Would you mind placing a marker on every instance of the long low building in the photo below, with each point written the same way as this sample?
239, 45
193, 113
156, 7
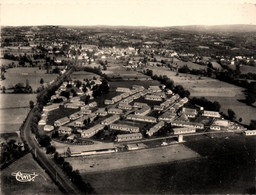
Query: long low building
61, 121
75, 115
115, 111
153, 98
250, 132
92, 131
51, 107
123, 127
139, 105
155, 128
93, 149
143, 111
188, 124
168, 116
128, 137
110, 120
211, 114
183, 130
125, 106
149, 119
64, 130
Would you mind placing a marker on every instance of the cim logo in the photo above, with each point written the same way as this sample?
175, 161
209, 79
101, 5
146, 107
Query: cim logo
25, 177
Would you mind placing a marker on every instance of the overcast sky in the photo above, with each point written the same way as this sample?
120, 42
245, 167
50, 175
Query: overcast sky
129, 12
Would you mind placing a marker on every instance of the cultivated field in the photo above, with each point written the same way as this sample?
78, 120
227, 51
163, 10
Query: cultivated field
11, 115
81, 75
42, 183
121, 160
190, 65
20, 75
226, 94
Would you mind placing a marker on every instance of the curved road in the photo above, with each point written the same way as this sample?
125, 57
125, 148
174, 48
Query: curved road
54, 171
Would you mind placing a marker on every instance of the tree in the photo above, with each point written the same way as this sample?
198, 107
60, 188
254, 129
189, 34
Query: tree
252, 125
3, 89
41, 81
231, 115
31, 104
50, 149
44, 140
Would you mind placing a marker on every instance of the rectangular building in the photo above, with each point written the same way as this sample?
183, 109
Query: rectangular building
184, 130
188, 124
110, 120
143, 111
51, 107
211, 114
61, 121
123, 127
148, 119
153, 98
75, 115
64, 130
128, 137
92, 131
155, 128
168, 116
115, 111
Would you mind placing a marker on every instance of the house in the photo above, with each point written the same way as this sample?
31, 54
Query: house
155, 128
250, 132
48, 128
110, 120
122, 89
71, 105
42, 121
82, 150
139, 105
183, 130
154, 88
115, 111
128, 137
189, 112
134, 117
168, 116
122, 127
143, 111
75, 99
108, 102
188, 124
125, 106
93, 104
160, 108
211, 114
75, 115
61, 121
51, 107
64, 130
92, 131
101, 112
153, 97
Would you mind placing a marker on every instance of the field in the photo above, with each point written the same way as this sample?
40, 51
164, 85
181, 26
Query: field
190, 65
11, 115
226, 94
20, 75
42, 183
117, 70
81, 75
248, 69
7, 62
121, 160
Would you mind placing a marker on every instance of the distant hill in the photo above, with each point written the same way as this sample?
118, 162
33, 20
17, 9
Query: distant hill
218, 28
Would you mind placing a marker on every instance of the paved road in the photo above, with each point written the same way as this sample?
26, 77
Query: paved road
53, 170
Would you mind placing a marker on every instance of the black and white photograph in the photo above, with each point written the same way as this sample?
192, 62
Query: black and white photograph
127, 97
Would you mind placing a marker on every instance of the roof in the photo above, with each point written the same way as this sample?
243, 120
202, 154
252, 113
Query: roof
129, 135
94, 147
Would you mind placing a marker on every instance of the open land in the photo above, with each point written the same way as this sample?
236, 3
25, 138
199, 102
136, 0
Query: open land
226, 94
121, 160
20, 75
42, 183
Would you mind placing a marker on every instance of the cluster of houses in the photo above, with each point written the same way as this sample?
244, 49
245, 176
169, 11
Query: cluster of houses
125, 107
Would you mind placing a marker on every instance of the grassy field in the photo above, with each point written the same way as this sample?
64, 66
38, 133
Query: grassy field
190, 65
226, 94
42, 183
81, 75
248, 69
123, 160
11, 116
20, 75
7, 62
